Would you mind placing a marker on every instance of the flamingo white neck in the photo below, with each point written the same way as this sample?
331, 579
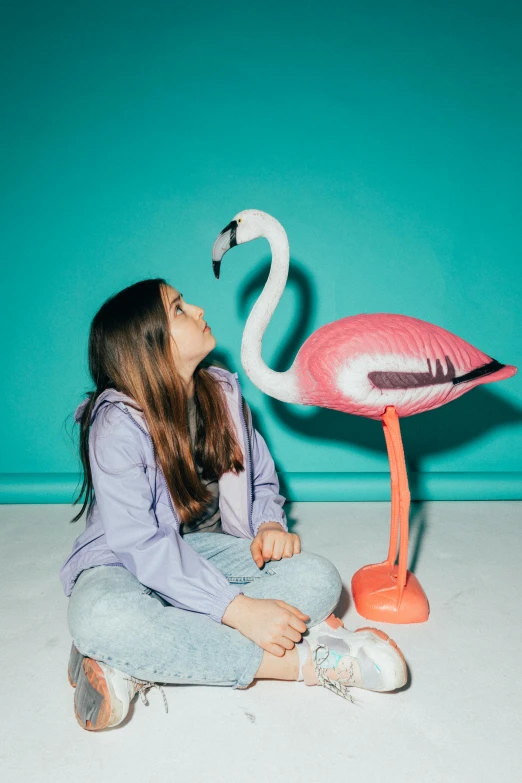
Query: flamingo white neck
280, 385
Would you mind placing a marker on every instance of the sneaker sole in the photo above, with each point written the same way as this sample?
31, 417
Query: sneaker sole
386, 638
95, 706
75, 663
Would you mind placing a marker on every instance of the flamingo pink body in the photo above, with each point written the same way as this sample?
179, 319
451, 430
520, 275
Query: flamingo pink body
363, 363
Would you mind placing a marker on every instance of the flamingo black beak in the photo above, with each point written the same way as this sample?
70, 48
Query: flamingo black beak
225, 240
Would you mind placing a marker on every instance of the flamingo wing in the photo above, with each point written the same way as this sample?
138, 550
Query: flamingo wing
363, 363
411, 380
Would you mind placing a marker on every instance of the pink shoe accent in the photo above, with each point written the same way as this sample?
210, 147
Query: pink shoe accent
384, 637
334, 622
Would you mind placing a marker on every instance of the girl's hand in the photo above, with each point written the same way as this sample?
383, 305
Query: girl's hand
273, 543
273, 625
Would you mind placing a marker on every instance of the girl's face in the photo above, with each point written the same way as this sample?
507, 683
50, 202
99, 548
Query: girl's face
187, 328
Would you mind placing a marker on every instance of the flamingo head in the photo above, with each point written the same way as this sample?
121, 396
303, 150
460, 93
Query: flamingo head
247, 225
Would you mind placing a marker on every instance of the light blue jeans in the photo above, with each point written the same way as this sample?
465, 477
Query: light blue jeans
114, 618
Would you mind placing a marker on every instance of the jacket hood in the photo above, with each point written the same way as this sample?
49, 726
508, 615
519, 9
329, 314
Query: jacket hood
109, 395
115, 396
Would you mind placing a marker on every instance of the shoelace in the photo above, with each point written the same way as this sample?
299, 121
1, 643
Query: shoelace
145, 685
339, 686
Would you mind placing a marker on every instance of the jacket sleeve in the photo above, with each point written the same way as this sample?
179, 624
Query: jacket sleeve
157, 556
267, 502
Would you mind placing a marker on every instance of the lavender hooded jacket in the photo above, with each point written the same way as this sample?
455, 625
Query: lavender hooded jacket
133, 522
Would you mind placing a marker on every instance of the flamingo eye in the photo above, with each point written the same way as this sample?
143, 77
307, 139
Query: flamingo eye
239, 220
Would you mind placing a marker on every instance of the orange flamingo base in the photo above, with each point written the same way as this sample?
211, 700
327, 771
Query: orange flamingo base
384, 591
376, 596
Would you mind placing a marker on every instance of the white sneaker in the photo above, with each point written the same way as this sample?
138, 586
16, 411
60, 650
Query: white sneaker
103, 694
366, 658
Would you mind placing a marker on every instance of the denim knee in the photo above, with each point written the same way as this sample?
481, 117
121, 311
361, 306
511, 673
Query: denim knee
323, 580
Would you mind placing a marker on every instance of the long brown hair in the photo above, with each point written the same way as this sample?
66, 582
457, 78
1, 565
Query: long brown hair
129, 350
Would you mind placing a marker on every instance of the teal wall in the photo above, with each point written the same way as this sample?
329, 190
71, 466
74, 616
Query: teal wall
384, 136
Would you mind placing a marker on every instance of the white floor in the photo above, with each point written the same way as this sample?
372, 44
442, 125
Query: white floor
457, 720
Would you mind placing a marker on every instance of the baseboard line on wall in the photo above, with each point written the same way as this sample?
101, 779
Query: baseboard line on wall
319, 487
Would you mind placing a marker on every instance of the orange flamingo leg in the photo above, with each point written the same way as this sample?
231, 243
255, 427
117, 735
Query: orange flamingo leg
384, 591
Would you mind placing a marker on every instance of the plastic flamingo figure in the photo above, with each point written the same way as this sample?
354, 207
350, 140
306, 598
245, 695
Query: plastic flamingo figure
379, 365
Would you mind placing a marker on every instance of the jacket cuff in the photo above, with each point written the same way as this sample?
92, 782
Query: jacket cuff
220, 603
262, 521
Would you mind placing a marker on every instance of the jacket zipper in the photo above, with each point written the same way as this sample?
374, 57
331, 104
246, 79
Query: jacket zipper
248, 455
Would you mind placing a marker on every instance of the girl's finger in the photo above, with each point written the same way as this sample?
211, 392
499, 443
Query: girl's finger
293, 633
293, 609
298, 624
297, 544
289, 548
285, 642
268, 546
257, 555
279, 545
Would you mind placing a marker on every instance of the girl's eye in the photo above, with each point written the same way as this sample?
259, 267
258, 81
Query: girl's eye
178, 308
